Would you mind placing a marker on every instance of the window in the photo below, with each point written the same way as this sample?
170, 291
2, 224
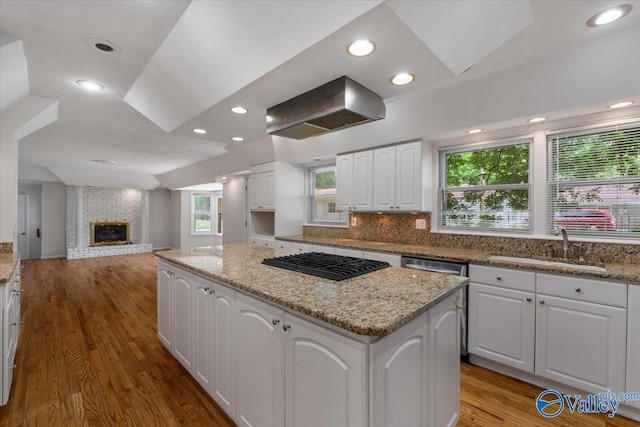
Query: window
593, 181
323, 197
201, 213
219, 210
487, 187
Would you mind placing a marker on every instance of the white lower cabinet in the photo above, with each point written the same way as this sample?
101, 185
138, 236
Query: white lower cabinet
633, 344
259, 363
325, 377
223, 354
203, 331
502, 325
10, 330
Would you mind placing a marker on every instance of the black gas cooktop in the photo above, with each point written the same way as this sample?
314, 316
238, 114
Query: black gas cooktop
329, 266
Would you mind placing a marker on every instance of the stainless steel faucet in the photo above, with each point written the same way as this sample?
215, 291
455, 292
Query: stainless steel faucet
565, 241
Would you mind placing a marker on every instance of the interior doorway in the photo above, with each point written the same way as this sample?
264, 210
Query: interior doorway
29, 221
23, 226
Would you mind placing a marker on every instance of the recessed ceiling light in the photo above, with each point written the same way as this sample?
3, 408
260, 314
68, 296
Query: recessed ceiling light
538, 119
361, 48
105, 45
402, 79
239, 110
200, 131
237, 138
103, 162
621, 104
609, 15
269, 119
89, 85
472, 131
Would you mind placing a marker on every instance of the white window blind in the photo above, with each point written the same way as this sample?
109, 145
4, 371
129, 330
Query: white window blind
486, 188
594, 181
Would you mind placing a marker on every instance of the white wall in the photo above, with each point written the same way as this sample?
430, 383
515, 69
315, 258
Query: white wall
34, 191
187, 240
160, 218
175, 218
235, 210
53, 220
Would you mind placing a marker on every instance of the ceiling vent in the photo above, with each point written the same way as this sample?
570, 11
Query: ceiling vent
336, 105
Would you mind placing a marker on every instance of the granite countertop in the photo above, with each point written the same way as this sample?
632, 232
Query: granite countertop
373, 304
628, 273
8, 263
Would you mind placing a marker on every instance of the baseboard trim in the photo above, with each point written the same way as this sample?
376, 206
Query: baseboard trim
54, 256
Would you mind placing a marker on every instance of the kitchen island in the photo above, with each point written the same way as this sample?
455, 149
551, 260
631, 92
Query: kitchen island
275, 347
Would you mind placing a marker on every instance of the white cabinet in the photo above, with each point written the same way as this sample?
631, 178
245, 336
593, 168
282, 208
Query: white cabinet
416, 371
223, 349
10, 328
262, 241
502, 316
175, 309
293, 247
203, 334
502, 325
262, 191
397, 177
354, 181
633, 343
325, 377
259, 364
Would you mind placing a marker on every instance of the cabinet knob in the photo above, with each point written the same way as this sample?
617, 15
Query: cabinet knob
286, 327
211, 291
541, 301
528, 299
499, 278
274, 321
13, 367
578, 290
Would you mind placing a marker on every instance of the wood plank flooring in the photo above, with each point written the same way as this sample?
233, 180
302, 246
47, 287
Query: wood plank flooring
89, 356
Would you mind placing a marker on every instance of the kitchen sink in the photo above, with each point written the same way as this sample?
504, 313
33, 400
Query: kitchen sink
535, 261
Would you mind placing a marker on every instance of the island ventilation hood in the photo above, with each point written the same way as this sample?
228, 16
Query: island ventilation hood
336, 105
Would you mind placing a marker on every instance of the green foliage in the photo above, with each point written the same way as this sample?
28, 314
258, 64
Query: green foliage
203, 203
325, 179
491, 166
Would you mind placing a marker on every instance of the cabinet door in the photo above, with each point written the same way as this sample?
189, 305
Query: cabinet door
268, 185
255, 192
165, 306
259, 364
223, 359
344, 182
633, 344
203, 333
183, 312
581, 344
8, 341
408, 180
363, 180
384, 178
325, 377
502, 325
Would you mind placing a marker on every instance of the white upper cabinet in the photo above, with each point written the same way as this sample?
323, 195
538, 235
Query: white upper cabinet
354, 182
262, 191
397, 184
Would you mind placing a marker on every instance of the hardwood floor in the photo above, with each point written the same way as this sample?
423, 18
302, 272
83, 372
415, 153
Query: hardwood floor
89, 356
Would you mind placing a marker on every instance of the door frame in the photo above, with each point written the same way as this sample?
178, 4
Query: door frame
27, 225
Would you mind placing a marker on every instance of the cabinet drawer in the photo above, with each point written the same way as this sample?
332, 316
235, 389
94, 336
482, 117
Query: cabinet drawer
589, 290
503, 277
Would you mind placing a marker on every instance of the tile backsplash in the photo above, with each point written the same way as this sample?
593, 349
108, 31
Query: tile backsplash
401, 228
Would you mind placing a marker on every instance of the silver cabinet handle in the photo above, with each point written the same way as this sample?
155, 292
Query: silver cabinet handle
13, 367
499, 278
528, 299
274, 321
578, 290
212, 291
541, 301
286, 327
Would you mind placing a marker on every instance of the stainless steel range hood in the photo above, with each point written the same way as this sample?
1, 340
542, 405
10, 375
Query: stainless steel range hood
336, 105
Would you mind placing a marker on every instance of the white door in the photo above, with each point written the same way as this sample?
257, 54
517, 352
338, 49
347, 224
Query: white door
581, 344
384, 178
502, 325
224, 367
165, 305
633, 344
325, 377
23, 226
344, 182
408, 181
203, 332
363, 180
259, 364
183, 312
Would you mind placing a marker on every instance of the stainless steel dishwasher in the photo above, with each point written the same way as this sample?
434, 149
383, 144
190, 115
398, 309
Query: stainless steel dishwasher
446, 267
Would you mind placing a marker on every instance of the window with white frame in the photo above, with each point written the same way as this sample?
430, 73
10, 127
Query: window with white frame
219, 214
322, 200
593, 180
486, 187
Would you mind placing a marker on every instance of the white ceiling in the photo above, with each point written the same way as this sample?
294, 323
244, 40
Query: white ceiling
183, 65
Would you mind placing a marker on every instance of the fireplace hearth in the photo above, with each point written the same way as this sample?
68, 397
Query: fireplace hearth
110, 233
